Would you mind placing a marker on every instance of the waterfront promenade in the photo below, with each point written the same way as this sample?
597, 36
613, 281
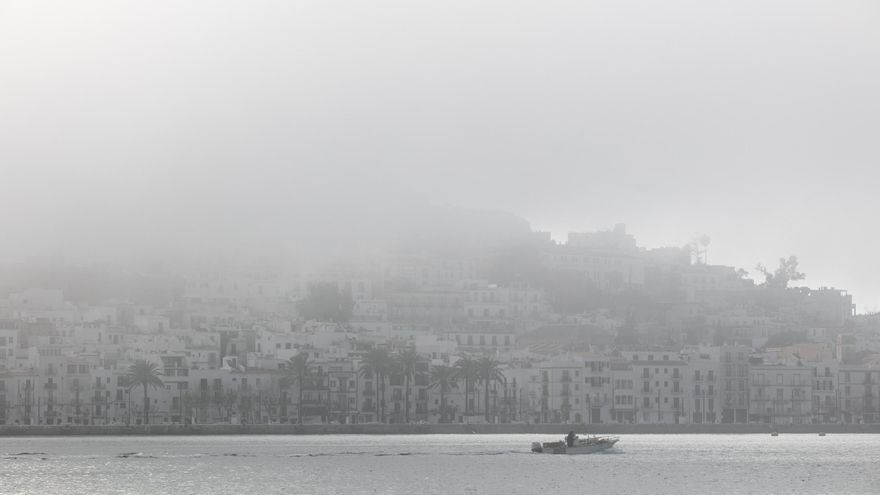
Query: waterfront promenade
430, 429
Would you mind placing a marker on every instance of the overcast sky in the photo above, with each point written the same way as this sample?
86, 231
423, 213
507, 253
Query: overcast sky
127, 125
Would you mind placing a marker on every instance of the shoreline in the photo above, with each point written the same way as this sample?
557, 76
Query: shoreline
434, 429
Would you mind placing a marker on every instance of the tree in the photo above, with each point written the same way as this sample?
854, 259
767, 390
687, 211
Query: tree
784, 339
699, 249
229, 399
785, 273
325, 302
297, 372
489, 371
407, 361
518, 264
197, 405
571, 292
146, 375
377, 363
77, 388
444, 378
627, 334
468, 370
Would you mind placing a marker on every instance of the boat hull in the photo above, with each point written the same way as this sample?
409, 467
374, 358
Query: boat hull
576, 450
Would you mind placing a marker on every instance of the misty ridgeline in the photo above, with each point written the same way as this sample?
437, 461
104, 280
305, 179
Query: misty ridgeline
473, 318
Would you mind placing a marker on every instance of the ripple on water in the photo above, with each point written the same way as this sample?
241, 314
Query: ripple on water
485, 464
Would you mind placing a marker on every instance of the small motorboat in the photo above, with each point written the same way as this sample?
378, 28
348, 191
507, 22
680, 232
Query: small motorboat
774, 434
821, 433
578, 446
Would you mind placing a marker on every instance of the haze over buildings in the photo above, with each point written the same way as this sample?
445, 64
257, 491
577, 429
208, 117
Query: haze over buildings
166, 128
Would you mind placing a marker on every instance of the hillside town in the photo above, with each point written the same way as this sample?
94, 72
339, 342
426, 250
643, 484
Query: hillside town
594, 330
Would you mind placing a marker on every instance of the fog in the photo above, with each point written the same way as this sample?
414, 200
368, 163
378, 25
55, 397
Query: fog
160, 128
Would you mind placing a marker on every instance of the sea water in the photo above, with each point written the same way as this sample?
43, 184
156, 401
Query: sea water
441, 464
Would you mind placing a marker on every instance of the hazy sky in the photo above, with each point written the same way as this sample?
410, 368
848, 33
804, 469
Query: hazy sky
127, 125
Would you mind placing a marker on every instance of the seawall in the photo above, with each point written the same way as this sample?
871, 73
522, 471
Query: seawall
398, 429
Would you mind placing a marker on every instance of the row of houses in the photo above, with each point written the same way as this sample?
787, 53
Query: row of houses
57, 381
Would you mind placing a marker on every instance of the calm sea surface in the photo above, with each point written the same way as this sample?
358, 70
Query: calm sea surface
424, 464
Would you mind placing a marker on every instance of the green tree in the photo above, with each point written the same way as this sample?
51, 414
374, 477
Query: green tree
786, 272
297, 371
197, 405
407, 362
489, 371
325, 302
147, 375
627, 334
229, 399
468, 369
444, 378
377, 363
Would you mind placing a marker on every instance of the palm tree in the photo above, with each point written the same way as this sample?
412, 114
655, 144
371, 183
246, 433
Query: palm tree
489, 371
297, 372
407, 361
467, 369
377, 363
144, 374
443, 377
